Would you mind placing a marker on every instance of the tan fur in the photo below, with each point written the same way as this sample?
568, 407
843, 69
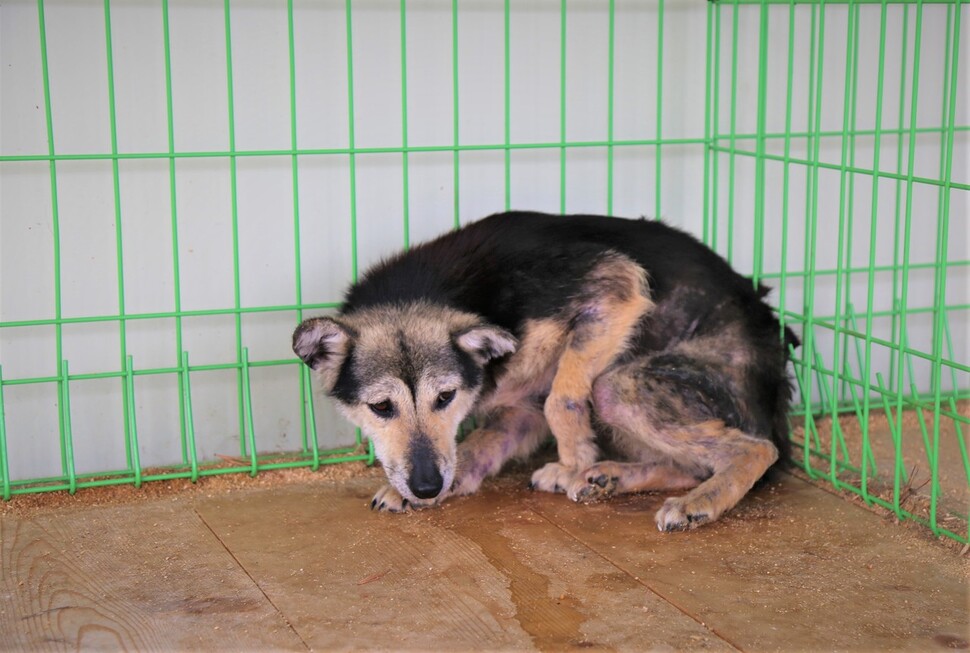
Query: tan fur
605, 322
529, 372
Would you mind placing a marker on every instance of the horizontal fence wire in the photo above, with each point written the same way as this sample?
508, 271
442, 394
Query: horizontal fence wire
831, 301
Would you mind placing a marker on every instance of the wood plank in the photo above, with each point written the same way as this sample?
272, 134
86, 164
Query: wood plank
482, 572
793, 567
139, 577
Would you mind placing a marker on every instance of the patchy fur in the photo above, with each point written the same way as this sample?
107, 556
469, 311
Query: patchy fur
626, 336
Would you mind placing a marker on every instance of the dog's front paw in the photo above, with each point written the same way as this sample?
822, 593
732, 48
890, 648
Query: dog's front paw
465, 484
388, 499
556, 477
681, 513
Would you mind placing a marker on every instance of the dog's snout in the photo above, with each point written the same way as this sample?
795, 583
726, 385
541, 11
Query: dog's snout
425, 480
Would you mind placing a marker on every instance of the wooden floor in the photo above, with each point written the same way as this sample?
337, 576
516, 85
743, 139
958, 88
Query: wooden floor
308, 566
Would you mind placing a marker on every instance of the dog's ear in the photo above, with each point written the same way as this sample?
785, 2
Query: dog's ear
486, 342
322, 342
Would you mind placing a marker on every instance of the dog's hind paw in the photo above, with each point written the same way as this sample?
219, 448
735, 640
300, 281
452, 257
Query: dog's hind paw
678, 514
599, 483
388, 499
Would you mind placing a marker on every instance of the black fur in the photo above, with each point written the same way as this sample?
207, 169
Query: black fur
512, 267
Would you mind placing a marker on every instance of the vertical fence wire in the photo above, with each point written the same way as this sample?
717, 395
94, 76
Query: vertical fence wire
562, 106
173, 202
950, 86
55, 224
119, 238
708, 128
732, 129
714, 104
760, 146
843, 248
352, 164
456, 124
865, 365
785, 215
4, 460
305, 398
507, 77
133, 450
611, 48
234, 220
405, 182
806, 369
897, 212
657, 188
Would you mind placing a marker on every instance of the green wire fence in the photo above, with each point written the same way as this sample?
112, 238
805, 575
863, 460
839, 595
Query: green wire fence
821, 146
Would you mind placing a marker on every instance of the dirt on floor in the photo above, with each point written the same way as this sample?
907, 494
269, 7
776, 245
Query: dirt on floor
914, 485
30, 505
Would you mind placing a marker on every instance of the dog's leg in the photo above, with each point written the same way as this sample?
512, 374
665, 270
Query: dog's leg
737, 460
509, 433
674, 413
608, 477
613, 301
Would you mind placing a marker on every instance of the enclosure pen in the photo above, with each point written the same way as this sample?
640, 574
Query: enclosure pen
821, 146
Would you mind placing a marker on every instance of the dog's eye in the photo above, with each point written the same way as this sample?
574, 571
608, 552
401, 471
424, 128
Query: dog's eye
382, 408
444, 399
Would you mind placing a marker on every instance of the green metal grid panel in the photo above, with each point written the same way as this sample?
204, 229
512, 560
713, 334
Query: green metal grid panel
828, 159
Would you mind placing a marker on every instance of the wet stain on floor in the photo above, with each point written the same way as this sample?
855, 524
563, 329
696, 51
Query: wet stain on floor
553, 623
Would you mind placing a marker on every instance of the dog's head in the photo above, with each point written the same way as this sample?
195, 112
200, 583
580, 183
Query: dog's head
407, 376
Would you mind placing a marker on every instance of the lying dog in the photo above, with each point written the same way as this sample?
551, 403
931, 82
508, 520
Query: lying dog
623, 338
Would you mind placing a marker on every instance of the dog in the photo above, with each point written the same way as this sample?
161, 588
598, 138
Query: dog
653, 364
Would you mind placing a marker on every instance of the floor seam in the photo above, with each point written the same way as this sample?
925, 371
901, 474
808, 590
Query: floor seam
252, 580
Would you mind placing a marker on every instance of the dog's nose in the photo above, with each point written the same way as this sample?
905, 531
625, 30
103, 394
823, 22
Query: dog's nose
425, 480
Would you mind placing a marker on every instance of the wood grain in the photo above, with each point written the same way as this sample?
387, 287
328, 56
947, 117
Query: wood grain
146, 578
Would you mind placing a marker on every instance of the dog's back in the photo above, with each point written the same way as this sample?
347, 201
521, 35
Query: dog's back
511, 267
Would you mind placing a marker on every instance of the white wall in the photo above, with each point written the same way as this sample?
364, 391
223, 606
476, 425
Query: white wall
88, 236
